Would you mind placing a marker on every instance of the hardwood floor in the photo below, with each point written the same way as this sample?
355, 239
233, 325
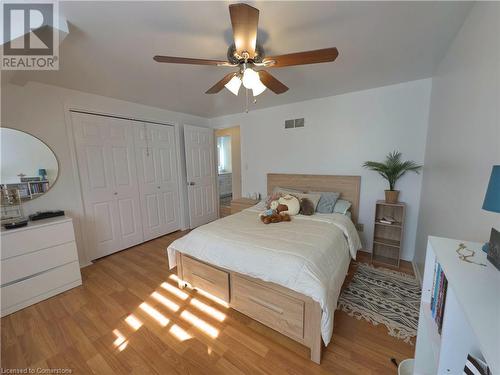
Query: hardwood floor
130, 318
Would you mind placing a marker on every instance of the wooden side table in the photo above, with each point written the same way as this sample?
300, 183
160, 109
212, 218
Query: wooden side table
388, 238
240, 204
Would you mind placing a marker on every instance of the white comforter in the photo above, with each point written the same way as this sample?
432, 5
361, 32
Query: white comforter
309, 255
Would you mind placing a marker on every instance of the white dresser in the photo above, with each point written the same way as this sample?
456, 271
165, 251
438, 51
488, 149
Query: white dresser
37, 262
471, 319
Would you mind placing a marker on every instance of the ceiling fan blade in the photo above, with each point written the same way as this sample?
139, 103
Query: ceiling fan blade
272, 83
244, 19
186, 60
302, 58
220, 85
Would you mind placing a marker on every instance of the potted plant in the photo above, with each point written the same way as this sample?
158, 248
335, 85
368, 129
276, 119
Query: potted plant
392, 170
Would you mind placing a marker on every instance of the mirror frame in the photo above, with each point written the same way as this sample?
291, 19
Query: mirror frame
53, 153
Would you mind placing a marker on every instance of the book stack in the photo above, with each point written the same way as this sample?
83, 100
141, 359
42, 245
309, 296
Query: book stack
438, 298
387, 220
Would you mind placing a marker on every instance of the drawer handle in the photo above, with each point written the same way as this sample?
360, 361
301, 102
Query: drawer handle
267, 305
202, 277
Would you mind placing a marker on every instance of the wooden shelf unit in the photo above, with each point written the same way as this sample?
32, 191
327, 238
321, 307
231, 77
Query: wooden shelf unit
388, 238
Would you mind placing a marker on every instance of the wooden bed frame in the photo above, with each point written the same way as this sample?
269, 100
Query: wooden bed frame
288, 312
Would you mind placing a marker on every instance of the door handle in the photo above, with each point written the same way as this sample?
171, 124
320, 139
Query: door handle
158, 187
191, 183
115, 193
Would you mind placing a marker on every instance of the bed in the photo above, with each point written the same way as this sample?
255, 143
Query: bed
286, 275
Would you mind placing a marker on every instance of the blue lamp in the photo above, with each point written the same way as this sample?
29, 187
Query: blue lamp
492, 197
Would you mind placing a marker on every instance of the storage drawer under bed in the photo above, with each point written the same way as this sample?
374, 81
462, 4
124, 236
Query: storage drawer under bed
206, 277
272, 308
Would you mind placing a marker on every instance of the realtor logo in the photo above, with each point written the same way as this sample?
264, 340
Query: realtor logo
29, 36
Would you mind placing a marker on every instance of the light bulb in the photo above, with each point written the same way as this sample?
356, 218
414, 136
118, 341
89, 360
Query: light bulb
258, 88
250, 78
234, 85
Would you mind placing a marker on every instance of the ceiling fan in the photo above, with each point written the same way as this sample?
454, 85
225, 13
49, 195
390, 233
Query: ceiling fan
246, 54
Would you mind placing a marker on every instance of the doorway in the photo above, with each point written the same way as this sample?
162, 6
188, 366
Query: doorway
228, 167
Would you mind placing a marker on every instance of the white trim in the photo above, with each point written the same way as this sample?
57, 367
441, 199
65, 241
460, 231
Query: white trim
417, 273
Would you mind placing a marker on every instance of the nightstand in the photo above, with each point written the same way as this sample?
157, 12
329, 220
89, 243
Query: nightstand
240, 204
388, 238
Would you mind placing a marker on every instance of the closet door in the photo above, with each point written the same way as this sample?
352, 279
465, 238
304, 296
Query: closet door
106, 164
157, 174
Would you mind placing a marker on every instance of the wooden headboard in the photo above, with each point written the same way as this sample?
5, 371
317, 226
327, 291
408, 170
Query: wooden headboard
347, 186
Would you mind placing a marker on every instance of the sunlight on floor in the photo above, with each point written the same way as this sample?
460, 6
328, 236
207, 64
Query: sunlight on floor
172, 289
179, 333
165, 301
155, 314
121, 341
133, 322
212, 297
214, 313
200, 324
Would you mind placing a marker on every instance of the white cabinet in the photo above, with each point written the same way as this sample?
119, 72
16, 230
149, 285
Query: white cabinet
37, 262
129, 180
471, 321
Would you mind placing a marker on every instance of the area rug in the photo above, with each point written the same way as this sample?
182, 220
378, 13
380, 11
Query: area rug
380, 295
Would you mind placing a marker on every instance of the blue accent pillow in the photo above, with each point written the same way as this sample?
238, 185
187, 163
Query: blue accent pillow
326, 202
342, 206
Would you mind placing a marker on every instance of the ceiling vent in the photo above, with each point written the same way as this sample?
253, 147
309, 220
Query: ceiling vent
296, 123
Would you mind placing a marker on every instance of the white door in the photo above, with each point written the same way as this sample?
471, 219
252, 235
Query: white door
201, 176
106, 163
156, 158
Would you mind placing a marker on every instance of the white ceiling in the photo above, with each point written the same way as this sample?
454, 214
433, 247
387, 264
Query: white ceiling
111, 44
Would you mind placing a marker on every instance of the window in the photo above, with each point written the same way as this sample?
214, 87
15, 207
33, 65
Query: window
224, 154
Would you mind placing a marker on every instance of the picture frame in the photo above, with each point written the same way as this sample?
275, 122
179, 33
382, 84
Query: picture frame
494, 248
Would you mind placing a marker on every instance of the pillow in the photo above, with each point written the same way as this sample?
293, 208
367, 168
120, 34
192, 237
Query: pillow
272, 197
292, 203
285, 191
306, 207
342, 206
326, 202
314, 198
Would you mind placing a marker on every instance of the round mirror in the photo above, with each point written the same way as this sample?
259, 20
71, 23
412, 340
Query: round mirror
28, 165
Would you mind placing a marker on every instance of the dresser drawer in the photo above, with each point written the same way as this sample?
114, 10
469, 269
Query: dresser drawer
24, 293
276, 310
36, 238
206, 277
16, 268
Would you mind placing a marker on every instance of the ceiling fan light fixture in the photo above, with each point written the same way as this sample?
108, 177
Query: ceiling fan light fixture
250, 78
234, 85
258, 88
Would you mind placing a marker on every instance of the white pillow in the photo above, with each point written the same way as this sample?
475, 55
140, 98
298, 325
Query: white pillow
285, 191
292, 203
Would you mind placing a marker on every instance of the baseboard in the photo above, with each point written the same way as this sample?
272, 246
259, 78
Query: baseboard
417, 272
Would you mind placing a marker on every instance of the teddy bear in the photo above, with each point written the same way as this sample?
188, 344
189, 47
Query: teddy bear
275, 215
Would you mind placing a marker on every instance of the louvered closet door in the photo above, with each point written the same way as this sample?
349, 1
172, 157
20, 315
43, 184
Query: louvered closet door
157, 174
108, 176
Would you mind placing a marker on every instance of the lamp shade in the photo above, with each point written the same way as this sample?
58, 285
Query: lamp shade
492, 197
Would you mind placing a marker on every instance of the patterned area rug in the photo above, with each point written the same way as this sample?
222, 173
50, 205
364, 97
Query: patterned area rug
380, 295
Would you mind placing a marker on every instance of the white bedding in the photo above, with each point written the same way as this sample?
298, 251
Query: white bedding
309, 255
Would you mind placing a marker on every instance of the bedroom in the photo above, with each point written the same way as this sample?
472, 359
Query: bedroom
126, 147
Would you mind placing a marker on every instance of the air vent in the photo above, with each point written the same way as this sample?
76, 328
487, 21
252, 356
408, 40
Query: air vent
296, 123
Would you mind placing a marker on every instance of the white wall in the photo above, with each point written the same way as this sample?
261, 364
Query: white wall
341, 133
463, 139
42, 110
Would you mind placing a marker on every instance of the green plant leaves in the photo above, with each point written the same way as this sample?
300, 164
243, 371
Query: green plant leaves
393, 168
